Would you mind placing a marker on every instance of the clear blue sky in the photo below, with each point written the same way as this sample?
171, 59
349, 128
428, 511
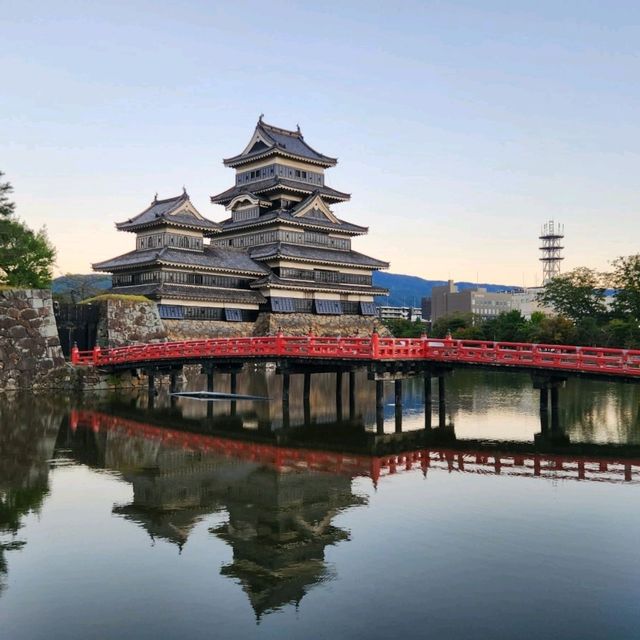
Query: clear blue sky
460, 126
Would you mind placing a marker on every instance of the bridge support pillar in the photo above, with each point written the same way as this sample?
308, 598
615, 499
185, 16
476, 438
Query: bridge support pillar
427, 401
286, 386
352, 395
398, 405
442, 417
233, 383
210, 381
379, 406
306, 398
338, 396
173, 381
555, 415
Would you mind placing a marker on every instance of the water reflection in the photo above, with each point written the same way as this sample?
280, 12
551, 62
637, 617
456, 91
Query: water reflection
279, 482
27, 441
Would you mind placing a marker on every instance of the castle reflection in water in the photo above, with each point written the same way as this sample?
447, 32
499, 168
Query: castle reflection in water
281, 489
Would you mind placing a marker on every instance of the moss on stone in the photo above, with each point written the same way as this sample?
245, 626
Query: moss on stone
116, 296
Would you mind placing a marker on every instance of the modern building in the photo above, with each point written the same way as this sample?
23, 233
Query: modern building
400, 313
281, 250
447, 300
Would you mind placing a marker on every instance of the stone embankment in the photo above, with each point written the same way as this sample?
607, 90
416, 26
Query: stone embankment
30, 350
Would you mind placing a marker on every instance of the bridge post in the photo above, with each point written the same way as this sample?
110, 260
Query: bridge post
286, 385
442, 418
352, 395
398, 405
338, 395
233, 383
210, 381
306, 397
173, 381
427, 400
555, 418
379, 406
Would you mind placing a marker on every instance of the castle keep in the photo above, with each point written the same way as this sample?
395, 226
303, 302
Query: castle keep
281, 249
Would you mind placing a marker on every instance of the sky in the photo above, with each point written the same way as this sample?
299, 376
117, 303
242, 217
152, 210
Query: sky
460, 127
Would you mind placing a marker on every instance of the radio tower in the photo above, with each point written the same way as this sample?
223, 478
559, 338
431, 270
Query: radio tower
551, 247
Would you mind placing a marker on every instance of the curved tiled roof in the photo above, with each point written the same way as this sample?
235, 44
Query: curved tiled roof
216, 258
273, 280
168, 212
284, 141
315, 254
262, 186
185, 292
281, 215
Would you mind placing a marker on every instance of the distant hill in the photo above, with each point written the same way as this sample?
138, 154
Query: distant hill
408, 290
403, 290
78, 286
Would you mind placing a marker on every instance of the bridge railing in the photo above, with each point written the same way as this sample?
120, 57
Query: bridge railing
517, 354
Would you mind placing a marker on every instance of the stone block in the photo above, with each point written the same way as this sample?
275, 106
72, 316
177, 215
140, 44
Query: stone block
17, 331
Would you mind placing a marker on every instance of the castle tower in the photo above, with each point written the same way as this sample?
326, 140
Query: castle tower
551, 248
281, 213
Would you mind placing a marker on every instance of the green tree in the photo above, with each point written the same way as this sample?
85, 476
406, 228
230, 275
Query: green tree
7, 207
577, 294
451, 323
26, 256
511, 326
626, 279
554, 330
401, 328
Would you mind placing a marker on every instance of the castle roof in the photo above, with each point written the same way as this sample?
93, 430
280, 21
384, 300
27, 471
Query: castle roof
269, 140
213, 257
286, 216
280, 184
175, 212
306, 253
276, 282
193, 292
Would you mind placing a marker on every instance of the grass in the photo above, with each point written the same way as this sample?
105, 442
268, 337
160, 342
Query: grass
116, 296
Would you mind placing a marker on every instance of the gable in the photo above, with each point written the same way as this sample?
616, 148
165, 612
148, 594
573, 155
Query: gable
316, 209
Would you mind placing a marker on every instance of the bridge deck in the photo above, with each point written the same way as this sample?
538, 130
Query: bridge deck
597, 361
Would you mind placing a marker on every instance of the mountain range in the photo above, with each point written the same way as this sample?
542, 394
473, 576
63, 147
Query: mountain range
404, 290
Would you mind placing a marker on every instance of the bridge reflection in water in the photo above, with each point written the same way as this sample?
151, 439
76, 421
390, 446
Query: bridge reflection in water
279, 475
282, 482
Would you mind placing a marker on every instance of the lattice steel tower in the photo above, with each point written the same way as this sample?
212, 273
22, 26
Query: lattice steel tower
551, 247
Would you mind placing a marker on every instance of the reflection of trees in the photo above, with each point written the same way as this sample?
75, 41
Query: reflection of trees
28, 432
600, 412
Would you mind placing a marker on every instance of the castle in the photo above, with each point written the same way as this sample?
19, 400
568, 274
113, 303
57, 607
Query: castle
280, 252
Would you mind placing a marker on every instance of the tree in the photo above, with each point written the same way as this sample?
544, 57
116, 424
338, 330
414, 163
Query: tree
401, 328
6, 206
511, 326
26, 256
577, 294
451, 323
626, 280
554, 330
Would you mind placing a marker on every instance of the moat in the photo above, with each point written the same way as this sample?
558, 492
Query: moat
188, 519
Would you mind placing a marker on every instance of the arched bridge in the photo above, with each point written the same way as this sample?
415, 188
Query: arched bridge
394, 352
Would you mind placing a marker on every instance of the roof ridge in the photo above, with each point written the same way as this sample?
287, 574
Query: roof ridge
287, 132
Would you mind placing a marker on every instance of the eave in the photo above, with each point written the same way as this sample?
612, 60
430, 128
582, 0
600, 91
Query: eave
240, 160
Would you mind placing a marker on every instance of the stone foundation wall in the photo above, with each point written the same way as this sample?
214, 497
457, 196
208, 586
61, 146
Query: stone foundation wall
29, 346
199, 329
300, 324
124, 322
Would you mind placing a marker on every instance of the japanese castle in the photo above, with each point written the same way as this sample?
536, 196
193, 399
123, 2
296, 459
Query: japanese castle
281, 249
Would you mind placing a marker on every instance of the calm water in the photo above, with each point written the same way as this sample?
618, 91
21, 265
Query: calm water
211, 520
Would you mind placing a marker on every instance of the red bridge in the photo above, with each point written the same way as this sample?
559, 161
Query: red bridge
597, 361
471, 459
